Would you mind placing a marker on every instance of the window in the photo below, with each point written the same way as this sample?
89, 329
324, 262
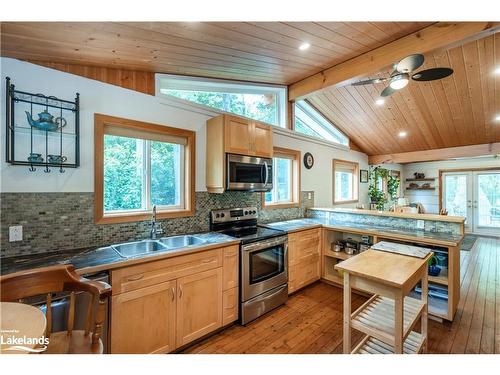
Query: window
286, 179
309, 121
140, 165
345, 181
266, 103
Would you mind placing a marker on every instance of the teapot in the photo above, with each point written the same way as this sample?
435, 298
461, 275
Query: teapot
46, 121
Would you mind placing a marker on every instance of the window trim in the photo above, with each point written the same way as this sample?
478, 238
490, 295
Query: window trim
296, 163
100, 217
318, 116
354, 178
202, 83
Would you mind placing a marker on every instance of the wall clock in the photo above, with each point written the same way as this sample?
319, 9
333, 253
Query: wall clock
308, 160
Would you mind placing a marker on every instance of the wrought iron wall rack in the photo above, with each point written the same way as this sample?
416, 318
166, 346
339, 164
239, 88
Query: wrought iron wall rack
17, 127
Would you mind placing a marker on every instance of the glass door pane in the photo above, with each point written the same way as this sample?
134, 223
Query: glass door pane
487, 202
457, 196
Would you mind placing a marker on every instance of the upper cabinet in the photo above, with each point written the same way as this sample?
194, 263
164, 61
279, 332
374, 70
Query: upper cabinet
228, 134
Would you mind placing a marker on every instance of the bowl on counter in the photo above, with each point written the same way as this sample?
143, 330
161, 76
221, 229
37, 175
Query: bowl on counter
434, 270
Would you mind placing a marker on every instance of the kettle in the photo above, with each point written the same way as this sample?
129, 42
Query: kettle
46, 121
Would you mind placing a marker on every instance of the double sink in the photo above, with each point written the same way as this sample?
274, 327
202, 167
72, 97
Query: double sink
136, 248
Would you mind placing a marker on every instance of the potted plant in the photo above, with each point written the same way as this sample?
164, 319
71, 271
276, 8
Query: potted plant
434, 269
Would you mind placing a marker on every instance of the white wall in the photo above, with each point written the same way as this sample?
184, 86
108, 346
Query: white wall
98, 97
430, 199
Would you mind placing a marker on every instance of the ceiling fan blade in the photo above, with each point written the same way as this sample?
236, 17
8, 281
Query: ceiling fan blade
432, 74
369, 81
410, 63
387, 91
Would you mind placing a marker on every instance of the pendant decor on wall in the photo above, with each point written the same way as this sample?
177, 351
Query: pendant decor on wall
42, 130
363, 176
308, 160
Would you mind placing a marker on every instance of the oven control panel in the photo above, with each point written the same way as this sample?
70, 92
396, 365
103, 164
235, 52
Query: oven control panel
234, 214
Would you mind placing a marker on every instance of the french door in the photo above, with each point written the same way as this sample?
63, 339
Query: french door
476, 196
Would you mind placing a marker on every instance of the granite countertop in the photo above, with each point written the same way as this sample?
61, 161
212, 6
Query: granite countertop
295, 225
95, 259
382, 231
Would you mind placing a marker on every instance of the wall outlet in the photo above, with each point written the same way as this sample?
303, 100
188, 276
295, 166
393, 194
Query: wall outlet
16, 233
420, 224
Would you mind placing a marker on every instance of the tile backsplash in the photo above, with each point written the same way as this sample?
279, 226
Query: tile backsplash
62, 221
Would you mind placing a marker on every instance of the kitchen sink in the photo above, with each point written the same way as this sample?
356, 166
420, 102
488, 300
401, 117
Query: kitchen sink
181, 241
131, 249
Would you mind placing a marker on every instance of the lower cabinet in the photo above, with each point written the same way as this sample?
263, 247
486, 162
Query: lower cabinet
199, 305
303, 258
162, 317
143, 321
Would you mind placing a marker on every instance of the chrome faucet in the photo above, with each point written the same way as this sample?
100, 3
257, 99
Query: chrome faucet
155, 227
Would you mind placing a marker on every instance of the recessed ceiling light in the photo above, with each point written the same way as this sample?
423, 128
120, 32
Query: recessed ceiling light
497, 118
497, 70
379, 101
304, 46
402, 134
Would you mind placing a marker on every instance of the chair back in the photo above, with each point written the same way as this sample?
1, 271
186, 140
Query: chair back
54, 279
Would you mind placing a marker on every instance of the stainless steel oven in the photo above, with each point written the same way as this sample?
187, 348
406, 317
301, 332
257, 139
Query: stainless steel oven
264, 277
249, 173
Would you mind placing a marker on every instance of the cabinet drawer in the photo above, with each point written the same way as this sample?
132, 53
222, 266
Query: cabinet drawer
304, 273
229, 306
230, 266
151, 273
303, 244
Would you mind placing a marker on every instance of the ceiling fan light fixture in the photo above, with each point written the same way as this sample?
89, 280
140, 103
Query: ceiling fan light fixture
399, 81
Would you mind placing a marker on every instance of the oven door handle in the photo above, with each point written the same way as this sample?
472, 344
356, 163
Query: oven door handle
265, 244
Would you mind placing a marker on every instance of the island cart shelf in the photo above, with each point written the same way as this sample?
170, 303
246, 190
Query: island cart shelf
389, 317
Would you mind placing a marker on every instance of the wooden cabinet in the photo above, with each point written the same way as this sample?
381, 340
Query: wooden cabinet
230, 262
263, 140
233, 135
143, 321
229, 306
162, 305
199, 305
303, 258
238, 135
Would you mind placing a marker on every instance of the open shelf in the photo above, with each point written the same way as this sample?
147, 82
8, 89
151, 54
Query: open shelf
441, 279
376, 317
338, 254
371, 345
421, 188
420, 179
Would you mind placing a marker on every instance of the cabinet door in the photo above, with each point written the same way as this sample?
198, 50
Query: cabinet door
263, 140
143, 321
230, 266
199, 305
238, 136
230, 306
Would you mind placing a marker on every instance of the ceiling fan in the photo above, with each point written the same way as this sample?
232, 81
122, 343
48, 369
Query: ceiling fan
400, 77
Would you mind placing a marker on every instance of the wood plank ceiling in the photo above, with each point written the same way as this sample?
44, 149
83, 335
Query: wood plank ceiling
258, 51
456, 111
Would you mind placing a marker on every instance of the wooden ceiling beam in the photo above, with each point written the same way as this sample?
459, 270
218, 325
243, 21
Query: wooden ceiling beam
438, 35
437, 154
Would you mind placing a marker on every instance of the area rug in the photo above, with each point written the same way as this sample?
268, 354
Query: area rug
468, 242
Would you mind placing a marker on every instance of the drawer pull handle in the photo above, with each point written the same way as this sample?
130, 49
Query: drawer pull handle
230, 255
135, 278
180, 291
207, 260
173, 293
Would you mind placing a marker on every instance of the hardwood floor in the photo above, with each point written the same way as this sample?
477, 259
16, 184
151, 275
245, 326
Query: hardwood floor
311, 321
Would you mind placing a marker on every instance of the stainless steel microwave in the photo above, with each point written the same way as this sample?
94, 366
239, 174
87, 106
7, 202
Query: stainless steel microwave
249, 173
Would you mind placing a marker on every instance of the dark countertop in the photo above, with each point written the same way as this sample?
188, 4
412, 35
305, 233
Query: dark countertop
95, 259
432, 238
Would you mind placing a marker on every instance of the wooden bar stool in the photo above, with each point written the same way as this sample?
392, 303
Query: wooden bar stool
63, 278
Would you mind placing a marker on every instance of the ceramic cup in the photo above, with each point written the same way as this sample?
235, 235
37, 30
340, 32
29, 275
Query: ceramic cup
56, 158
